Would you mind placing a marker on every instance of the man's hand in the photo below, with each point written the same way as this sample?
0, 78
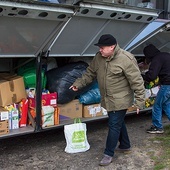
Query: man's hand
74, 88
137, 110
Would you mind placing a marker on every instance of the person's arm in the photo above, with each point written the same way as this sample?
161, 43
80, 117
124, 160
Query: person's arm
153, 71
74, 88
136, 82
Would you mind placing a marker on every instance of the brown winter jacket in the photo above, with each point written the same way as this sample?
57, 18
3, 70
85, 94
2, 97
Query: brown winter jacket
119, 80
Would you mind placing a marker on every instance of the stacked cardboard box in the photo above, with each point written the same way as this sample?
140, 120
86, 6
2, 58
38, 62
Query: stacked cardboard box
4, 127
93, 110
12, 89
50, 115
4, 117
47, 100
75, 109
70, 110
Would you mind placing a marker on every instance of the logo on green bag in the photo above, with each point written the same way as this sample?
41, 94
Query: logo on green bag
78, 136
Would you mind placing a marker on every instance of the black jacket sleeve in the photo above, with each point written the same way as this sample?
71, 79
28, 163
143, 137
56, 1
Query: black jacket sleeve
154, 70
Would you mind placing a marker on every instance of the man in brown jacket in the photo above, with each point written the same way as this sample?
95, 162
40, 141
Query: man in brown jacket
120, 85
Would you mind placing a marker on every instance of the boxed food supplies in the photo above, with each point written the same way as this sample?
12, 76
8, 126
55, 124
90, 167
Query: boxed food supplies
70, 110
47, 116
56, 116
12, 89
14, 119
31, 117
4, 114
23, 112
50, 116
47, 100
4, 127
93, 110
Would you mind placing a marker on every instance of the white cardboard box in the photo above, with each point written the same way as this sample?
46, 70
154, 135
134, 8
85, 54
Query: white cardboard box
4, 114
14, 119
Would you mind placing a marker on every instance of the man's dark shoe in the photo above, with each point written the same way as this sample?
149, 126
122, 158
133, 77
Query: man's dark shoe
153, 129
106, 160
128, 150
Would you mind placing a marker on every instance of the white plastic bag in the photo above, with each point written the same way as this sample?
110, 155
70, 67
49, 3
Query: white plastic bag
76, 138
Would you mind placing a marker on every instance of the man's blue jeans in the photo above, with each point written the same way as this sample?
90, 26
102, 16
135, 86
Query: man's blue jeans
162, 103
117, 132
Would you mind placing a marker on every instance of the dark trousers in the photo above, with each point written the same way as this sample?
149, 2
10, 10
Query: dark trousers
117, 132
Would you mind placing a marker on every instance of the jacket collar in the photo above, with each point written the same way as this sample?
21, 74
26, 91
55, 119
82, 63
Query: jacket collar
114, 55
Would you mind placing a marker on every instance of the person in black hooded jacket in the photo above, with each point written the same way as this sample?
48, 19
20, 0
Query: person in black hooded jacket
159, 67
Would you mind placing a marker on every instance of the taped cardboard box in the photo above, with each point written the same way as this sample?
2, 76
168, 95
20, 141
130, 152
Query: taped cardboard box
12, 89
4, 127
70, 110
93, 110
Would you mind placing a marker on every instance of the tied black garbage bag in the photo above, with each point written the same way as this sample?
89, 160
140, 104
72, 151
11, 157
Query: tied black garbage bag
60, 79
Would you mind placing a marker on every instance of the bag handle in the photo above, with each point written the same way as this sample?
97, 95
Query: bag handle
77, 120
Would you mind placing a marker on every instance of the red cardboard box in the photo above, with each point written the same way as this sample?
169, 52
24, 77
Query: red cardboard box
47, 100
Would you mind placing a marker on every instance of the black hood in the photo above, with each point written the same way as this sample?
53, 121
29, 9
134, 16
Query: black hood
150, 51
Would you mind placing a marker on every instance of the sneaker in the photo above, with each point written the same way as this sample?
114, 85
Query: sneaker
106, 160
128, 150
154, 129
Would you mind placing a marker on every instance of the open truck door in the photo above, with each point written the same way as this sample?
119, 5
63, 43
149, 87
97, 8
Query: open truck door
156, 33
32, 29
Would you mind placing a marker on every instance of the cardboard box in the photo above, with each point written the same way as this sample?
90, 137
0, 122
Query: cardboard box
92, 110
31, 117
12, 89
48, 119
47, 116
4, 114
56, 116
47, 100
70, 110
14, 119
4, 127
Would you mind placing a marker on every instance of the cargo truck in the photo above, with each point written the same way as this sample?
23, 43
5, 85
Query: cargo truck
33, 30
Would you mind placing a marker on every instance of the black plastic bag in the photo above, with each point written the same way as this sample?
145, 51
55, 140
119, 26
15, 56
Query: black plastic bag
60, 79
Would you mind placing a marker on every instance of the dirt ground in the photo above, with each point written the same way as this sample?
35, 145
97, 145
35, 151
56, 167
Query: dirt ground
45, 151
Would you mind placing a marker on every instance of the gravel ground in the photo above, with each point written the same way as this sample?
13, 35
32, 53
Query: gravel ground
45, 151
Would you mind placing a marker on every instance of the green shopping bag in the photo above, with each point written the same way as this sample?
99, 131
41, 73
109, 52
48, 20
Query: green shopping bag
76, 138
